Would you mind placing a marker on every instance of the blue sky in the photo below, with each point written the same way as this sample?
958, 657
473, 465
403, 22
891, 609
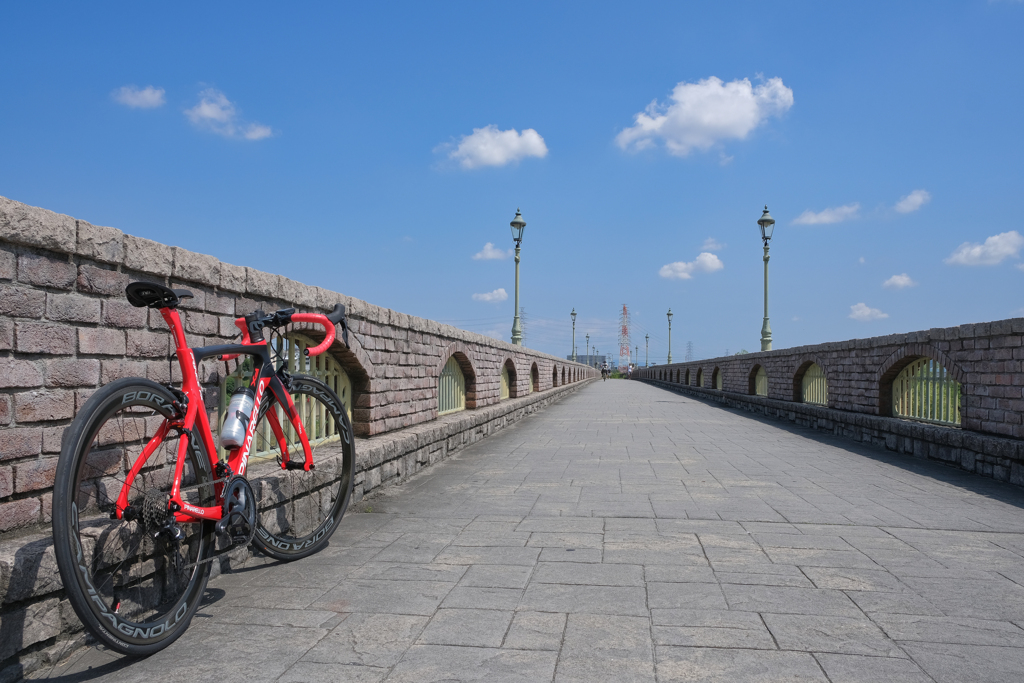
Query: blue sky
374, 149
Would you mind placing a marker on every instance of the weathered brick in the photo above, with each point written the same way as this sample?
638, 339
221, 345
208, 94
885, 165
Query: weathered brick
201, 323
8, 265
26, 626
196, 302
101, 341
30, 225
45, 338
5, 409
148, 344
46, 271
19, 373
262, 284
31, 566
117, 369
72, 372
147, 256
52, 437
220, 304
95, 280
15, 515
44, 405
232, 278
119, 313
22, 302
20, 442
6, 334
100, 243
6, 481
72, 308
189, 265
34, 475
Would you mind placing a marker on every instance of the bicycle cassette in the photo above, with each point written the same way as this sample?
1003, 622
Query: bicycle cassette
238, 521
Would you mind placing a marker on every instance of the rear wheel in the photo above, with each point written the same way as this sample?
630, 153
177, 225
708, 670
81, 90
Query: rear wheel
297, 511
133, 582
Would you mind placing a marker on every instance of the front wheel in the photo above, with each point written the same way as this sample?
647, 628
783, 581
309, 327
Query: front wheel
297, 511
133, 583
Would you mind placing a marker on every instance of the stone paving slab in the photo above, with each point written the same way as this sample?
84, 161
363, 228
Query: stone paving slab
631, 534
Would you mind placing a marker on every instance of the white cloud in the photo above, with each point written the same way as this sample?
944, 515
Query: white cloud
494, 297
489, 146
861, 260
899, 282
711, 244
256, 131
913, 201
217, 114
864, 313
490, 252
836, 215
139, 98
680, 270
992, 252
1020, 266
703, 113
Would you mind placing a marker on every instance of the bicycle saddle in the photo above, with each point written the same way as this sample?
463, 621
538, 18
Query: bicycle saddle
150, 294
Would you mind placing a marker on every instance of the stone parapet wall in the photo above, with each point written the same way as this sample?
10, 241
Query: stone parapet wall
67, 329
990, 456
986, 358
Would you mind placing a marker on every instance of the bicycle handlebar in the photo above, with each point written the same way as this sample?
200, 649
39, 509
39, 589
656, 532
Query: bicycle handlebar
255, 322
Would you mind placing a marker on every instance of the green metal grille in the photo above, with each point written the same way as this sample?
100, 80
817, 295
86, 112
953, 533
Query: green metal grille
718, 379
761, 382
451, 395
815, 386
924, 391
504, 383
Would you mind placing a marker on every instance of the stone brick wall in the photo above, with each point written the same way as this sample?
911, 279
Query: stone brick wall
986, 358
66, 329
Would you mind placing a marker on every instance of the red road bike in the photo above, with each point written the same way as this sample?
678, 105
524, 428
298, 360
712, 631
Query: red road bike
142, 504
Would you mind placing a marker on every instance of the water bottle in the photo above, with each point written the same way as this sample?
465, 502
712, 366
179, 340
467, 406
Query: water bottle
239, 409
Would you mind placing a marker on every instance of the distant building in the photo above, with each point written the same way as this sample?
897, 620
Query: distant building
592, 361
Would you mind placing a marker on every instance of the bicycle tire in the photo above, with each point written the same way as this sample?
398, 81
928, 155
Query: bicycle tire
146, 600
297, 511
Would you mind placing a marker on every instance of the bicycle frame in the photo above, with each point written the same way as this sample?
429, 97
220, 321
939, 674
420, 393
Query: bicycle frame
264, 377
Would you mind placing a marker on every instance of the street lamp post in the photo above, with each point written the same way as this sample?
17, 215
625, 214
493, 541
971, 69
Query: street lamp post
573, 314
767, 224
647, 350
670, 335
517, 234
588, 348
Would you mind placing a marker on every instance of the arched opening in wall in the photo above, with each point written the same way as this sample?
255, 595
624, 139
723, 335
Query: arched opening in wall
922, 389
508, 380
554, 377
700, 377
810, 384
675, 376
758, 381
563, 375
534, 378
716, 379
290, 348
686, 377
451, 391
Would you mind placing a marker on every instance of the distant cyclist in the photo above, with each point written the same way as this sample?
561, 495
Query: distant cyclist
604, 372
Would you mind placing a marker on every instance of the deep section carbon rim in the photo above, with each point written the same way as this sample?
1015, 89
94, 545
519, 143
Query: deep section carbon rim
137, 581
297, 511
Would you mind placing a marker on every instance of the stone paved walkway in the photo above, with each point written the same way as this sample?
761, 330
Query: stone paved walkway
632, 534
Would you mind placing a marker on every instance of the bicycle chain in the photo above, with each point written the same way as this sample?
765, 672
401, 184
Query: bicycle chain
233, 546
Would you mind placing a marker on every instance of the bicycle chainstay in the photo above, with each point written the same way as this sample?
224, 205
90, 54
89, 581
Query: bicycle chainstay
233, 546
